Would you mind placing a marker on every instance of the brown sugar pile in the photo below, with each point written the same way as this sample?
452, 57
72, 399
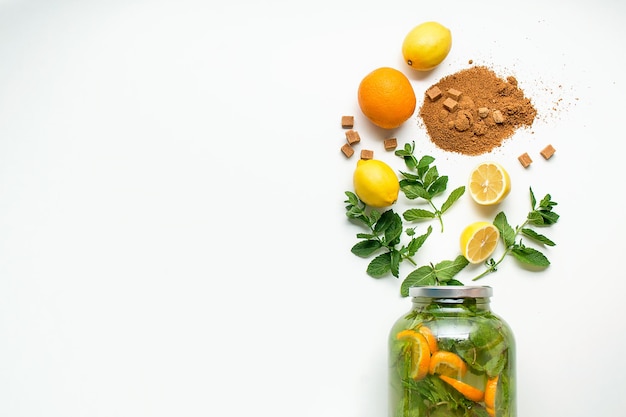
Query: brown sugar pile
473, 111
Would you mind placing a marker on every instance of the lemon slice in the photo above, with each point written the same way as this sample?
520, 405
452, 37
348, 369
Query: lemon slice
489, 183
420, 353
479, 241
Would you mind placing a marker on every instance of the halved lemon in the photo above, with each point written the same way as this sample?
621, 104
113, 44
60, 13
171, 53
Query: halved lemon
479, 241
420, 352
447, 363
489, 183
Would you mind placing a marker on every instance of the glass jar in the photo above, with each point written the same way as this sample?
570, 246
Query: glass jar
451, 356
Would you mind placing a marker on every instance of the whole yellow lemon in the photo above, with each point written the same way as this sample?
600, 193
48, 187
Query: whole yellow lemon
375, 183
426, 46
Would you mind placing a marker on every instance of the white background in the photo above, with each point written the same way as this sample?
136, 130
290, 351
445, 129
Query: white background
173, 238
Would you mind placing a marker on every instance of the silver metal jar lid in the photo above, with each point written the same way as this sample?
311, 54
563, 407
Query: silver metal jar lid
451, 291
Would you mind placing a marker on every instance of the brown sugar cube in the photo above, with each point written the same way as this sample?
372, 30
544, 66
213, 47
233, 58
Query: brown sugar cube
347, 122
367, 154
498, 117
433, 93
483, 112
450, 104
454, 93
390, 144
547, 152
347, 150
525, 160
352, 136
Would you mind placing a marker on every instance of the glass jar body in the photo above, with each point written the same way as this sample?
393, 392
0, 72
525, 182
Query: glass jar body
451, 357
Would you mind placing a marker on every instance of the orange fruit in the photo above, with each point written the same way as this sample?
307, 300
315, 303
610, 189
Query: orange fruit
386, 97
468, 391
430, 338
490, 393
447, 363
420, 353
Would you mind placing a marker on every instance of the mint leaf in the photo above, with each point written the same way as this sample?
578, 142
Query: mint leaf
416, 243
506, 231
445, 270
380, 265
537, 237
418, 214
530, 256
422, 276
452, 198
366, 248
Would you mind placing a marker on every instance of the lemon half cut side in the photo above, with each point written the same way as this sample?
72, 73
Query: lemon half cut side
478, 241
489, 183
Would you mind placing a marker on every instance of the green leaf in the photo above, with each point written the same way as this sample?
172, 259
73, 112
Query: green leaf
438, 187
424, 275
413, 191
395, 260
549, 217
537, 237
417, 214
379, 266
386, 220
431, 176
393, 231
452, 198
530, 256
416, 243
424, 162
374, 216
533, 200
506, 231
366, 248
352, 198
535, 218
410, 178
445, 270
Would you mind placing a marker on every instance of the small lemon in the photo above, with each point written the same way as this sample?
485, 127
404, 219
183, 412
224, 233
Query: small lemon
375, 183
478, 241
426, 46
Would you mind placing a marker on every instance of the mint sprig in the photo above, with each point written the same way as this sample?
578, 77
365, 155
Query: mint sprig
384, 235
541, 215
424, 182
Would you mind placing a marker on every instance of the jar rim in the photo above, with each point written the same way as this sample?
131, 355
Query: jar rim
451, 291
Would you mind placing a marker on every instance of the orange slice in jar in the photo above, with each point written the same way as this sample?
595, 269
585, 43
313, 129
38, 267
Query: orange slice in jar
490, 393
430, 338
468, 391
447, 363
420, 352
